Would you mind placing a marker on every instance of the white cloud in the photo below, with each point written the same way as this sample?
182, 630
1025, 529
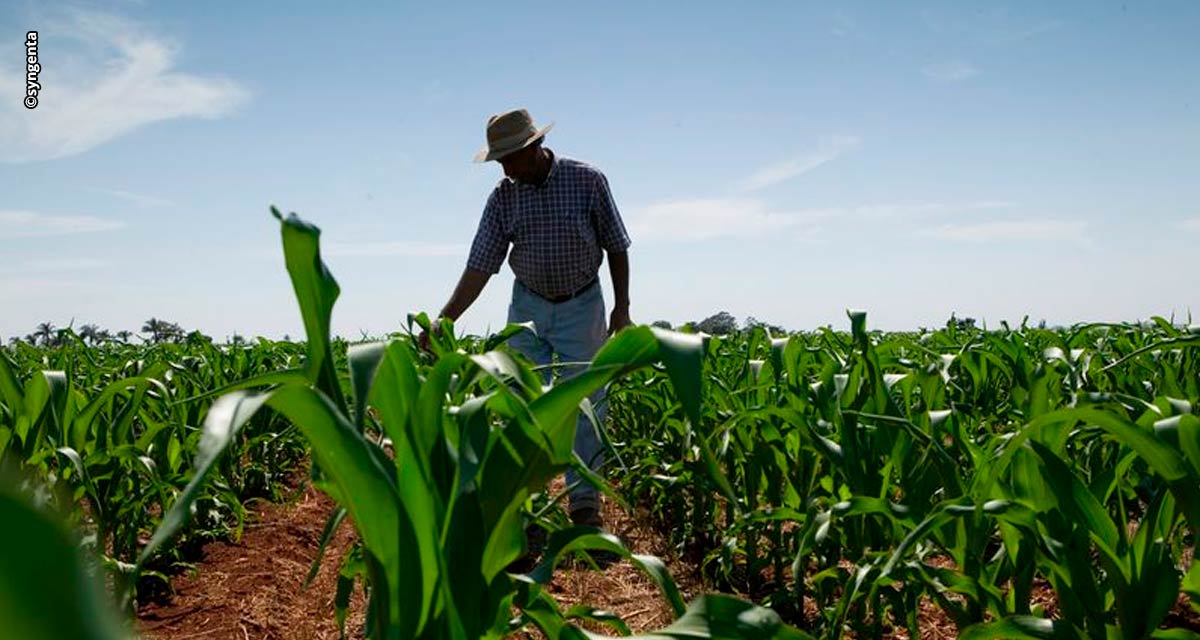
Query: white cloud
1030, 230
950, 71
137, 198
827, 150
30, 224
1191, 224
113, 78
388, 249
704, 219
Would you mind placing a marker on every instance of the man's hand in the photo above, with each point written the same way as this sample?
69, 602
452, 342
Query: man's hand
619, 319
618, 266
423, 339
470, 283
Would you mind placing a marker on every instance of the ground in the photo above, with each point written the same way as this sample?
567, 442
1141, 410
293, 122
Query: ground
252, 588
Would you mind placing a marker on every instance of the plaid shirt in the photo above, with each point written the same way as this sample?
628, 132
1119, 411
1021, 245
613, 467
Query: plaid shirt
557, 229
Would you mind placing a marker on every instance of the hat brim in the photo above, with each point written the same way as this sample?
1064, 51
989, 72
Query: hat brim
485, 154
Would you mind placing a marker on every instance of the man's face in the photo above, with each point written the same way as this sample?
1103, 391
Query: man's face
522, 165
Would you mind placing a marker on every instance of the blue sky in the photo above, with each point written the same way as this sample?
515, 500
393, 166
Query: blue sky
779, 160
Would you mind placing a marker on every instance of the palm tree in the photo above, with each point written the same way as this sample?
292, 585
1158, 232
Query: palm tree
45, 332
90, 334
156, 328
124, 335
162, 331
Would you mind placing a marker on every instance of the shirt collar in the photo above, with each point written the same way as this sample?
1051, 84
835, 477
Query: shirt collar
549, 176
553, 167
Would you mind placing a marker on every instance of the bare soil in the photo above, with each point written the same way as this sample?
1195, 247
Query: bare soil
252, 588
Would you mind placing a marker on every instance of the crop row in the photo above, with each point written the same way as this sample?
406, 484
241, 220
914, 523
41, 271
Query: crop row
864, 473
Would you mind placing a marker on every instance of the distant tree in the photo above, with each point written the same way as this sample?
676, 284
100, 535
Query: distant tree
196, 338
719, 324
163, 331
124, 335
46, 334
752, 323
153, 326
89, 333
961, 323
661, 324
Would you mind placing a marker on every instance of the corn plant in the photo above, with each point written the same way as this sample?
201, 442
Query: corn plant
472, 437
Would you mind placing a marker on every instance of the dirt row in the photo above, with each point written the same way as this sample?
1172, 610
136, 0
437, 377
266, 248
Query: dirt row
252, 588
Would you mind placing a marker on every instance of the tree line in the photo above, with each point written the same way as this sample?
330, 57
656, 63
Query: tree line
723, 323
154, 330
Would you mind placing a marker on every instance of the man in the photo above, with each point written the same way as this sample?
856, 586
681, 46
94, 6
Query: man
559, 217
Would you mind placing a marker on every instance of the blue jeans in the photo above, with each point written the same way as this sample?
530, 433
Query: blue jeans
574, 331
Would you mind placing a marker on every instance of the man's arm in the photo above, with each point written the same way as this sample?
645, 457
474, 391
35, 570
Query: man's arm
610, 230
470, 284
618, 268
487, 254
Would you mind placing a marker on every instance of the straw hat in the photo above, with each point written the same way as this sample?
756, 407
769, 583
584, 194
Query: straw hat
508, 132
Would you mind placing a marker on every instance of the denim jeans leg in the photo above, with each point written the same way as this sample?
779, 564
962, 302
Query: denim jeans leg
579, 330
525, 306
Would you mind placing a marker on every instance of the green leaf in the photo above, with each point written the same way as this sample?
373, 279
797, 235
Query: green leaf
364, 361
571, 539
1019, 627
1174, 634
45, 593
723, 617
578, 538
1077, 503
502, 336
316, 291
10, 387
331, 526
506, 542
585, 612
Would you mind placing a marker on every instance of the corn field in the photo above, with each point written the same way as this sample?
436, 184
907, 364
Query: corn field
864, 472
829, 483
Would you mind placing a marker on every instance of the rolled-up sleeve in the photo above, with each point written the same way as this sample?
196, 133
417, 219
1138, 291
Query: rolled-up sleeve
490, 246
612, 234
